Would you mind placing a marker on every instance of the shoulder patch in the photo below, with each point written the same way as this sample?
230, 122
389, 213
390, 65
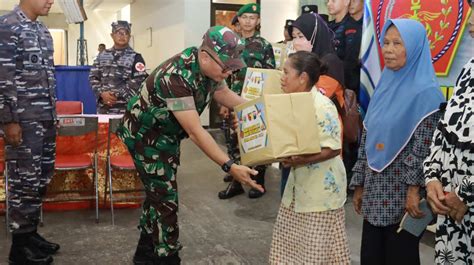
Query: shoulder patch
140, 67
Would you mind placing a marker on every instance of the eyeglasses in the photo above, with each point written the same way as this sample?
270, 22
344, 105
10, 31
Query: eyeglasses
224, 67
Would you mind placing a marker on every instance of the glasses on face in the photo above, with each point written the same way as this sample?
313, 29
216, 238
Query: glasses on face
224, 67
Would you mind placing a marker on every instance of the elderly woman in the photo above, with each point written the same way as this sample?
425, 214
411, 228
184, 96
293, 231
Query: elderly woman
449, 172
401, 118
310, 33
310, 226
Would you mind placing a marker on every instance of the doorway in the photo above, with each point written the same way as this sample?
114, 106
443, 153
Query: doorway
222, 13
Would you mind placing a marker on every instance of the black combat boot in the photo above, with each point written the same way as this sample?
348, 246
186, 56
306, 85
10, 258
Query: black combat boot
42, 244
260, 179
234, 189
173, 259
227, 178
144, 255
22, 252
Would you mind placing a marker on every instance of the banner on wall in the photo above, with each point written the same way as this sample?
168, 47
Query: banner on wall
445, 22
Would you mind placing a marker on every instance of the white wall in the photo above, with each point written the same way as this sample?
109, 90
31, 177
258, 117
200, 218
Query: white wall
197, 15
166, 20
273, 16
175, 25
97, 29
197, 21
55, 21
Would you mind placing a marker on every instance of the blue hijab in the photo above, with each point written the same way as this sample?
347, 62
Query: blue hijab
402, 99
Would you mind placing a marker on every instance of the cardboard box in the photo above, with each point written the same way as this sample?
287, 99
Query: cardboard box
280, 53
276, 126
259, 82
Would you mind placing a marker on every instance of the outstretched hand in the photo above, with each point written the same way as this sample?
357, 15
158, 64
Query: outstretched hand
243, 175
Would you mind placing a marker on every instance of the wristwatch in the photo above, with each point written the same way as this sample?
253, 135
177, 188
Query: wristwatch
226, 166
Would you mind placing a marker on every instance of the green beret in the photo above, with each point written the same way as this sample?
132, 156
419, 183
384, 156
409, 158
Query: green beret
249, 8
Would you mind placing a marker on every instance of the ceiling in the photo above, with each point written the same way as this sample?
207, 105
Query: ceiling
109, 5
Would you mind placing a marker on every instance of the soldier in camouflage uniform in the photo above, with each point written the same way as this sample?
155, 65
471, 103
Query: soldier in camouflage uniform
27, 117
117, 72
258, 53
165, 111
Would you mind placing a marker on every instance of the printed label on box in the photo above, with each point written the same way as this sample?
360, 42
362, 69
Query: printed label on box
253, 86
71, 122
277, 52
252, 128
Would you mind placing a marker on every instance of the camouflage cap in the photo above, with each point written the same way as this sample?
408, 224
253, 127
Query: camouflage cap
309, 9
226, 44
249, 8
121, 24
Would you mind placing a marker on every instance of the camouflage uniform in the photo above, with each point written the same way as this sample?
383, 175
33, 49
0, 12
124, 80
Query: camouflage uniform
258, 53
27, 97
153, 136
119, 71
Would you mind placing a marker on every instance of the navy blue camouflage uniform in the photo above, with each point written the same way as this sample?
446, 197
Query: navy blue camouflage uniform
27, 97
339, 29
120, 71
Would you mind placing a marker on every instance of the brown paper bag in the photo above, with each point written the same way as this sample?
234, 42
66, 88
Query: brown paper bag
276, 126
261, 81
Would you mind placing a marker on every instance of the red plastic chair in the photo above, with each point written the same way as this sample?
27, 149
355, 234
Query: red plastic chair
69, 107
117, 162
78, 126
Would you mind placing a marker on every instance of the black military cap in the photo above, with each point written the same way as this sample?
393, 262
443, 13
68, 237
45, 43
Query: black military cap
309, 9
121, 24
289, 22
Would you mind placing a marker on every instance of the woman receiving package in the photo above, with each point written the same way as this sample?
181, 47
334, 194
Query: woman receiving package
310, 226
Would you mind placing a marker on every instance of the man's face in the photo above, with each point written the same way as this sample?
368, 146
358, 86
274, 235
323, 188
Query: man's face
213, 67
38, 7
249, 21
356, 6
121, 37
337, 6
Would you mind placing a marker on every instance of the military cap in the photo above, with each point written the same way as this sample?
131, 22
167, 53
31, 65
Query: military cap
226, 44
121, 24
309, 9
289, 22
235, 20
249, 8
